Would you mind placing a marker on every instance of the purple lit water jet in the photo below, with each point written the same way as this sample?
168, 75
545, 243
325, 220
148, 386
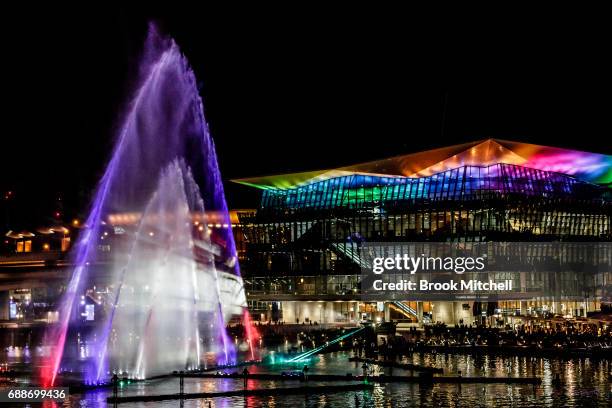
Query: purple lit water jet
172, 286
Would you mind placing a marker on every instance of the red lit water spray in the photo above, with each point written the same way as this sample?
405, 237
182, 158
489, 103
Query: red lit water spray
251, 332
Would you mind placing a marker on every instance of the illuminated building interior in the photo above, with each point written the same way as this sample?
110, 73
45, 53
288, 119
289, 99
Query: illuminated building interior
302, 242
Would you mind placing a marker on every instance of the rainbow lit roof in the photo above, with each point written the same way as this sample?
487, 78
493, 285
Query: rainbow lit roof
591, 167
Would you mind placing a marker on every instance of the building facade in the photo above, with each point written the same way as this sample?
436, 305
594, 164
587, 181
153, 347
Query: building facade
301, 258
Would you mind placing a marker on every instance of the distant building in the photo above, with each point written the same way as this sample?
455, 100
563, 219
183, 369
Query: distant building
36, 265
33, 268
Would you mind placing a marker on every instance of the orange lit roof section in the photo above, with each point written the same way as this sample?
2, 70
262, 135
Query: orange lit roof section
592, 167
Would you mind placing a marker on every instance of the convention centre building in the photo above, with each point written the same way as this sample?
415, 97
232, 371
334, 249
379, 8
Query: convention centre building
301, 260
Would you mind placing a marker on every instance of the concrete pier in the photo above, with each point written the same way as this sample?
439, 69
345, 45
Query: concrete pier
454, 379
405, 366
325, 389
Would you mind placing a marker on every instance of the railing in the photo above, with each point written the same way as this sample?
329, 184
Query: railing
351, 251
405, 308
302, 285
20, 257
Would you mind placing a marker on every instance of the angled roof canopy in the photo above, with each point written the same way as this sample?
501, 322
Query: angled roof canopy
592, 167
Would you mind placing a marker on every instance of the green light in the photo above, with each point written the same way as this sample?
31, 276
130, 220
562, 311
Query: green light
591, 167
304, 356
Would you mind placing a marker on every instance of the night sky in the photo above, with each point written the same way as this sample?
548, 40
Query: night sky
302, 92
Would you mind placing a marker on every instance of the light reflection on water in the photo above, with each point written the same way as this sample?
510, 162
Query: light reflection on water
585, 383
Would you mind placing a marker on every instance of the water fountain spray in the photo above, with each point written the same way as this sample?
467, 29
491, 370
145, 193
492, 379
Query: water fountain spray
172, 287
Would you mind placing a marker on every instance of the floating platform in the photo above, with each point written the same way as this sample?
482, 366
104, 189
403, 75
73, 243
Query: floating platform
225, 367
428, 378
393, 364
325, 389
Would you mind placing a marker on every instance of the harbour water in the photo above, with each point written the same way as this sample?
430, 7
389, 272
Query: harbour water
584, 382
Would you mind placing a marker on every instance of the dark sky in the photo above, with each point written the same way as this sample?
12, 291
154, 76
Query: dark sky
305, 91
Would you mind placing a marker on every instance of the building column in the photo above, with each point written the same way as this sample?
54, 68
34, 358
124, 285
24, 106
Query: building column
289, 312
420, 312
523, 307
4, 305
443, 311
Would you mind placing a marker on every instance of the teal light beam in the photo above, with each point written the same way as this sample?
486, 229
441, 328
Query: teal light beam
309, 353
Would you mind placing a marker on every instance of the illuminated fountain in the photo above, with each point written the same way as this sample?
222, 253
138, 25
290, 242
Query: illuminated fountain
174, 282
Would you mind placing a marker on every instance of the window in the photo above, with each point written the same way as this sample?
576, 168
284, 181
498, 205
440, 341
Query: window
65, 244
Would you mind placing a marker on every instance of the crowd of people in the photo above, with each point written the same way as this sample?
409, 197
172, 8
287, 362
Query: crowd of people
560, 339
533, 337
523, 335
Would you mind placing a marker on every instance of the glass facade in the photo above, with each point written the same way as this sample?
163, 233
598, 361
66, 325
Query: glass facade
303, 241
464, 183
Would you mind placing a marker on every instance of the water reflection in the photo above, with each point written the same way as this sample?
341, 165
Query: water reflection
583, 382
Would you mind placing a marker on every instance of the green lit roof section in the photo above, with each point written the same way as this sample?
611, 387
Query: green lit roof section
592, 167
